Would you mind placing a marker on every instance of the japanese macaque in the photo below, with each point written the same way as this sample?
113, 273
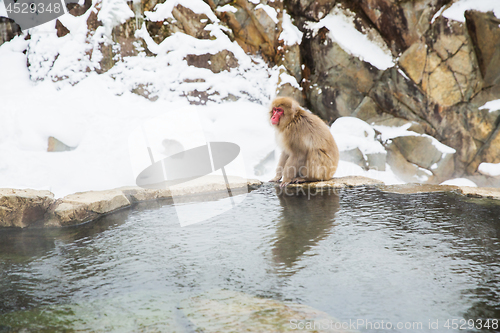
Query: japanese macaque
309, 150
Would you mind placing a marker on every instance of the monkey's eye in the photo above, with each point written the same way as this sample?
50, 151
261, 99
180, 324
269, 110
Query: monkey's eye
280, 110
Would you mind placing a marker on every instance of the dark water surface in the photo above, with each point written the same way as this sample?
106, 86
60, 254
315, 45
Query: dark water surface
361, 254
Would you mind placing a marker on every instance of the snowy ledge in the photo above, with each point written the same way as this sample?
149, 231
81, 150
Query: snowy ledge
24, 208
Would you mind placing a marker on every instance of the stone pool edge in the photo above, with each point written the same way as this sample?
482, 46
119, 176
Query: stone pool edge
24, 207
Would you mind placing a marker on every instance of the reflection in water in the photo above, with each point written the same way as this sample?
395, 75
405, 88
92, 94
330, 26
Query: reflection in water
306, 218
361, 254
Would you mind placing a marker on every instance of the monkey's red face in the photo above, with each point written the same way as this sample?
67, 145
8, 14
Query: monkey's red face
277, 113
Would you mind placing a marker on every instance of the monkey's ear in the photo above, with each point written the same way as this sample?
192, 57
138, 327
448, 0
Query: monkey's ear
296, 107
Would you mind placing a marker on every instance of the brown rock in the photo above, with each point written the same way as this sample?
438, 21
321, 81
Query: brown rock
21, 208
92, 22
403, 169
158, 30
311, 9
335, 81
85, 206
221, 61
481, 123
368, 111
123, 42
146, 91
107, 60
189, 22
136, 194
61, 29
401, 23
253, 29
484, 96
371, 113
217, 3
56, 145
444, 169
442, 86
451, 73
8, 29
402, 98
196, 97
484, 30
266, 25
149, 5
298, 7
76, 10
435, 166
285, 88
124, 36
66, 214
213, 183
418, 188
432, 62
413, 61
288, 90
483, 127
216, 310
489, 152
99, 201
485, 181
206, 184
340, 182
290, 58
481, 192
354, 156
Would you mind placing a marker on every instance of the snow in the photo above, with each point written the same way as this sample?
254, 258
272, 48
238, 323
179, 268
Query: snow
270, 11
62, 96
3, 10
168, 75
93, 118
459, 182
426, 174
440, 146
113, 13
491, 105
456, 11
350, 169
391, 132
438, 14
287, 78
350, 133
403, 74
489, 169
227, 8
163, 11
291, 34
342, 30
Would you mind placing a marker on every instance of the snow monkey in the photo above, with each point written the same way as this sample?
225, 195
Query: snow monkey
309, 150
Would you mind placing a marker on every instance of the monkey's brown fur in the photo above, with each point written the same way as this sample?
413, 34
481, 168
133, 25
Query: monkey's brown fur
309, 150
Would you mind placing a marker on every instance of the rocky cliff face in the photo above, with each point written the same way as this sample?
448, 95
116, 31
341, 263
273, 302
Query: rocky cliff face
435, 74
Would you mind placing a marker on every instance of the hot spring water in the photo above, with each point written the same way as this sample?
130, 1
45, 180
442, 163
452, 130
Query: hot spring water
361, 254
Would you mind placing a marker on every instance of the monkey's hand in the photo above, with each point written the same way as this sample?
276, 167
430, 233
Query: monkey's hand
298, 180
284, 183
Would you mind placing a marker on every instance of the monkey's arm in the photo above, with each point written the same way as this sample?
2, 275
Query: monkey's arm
293, 166
280, 168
